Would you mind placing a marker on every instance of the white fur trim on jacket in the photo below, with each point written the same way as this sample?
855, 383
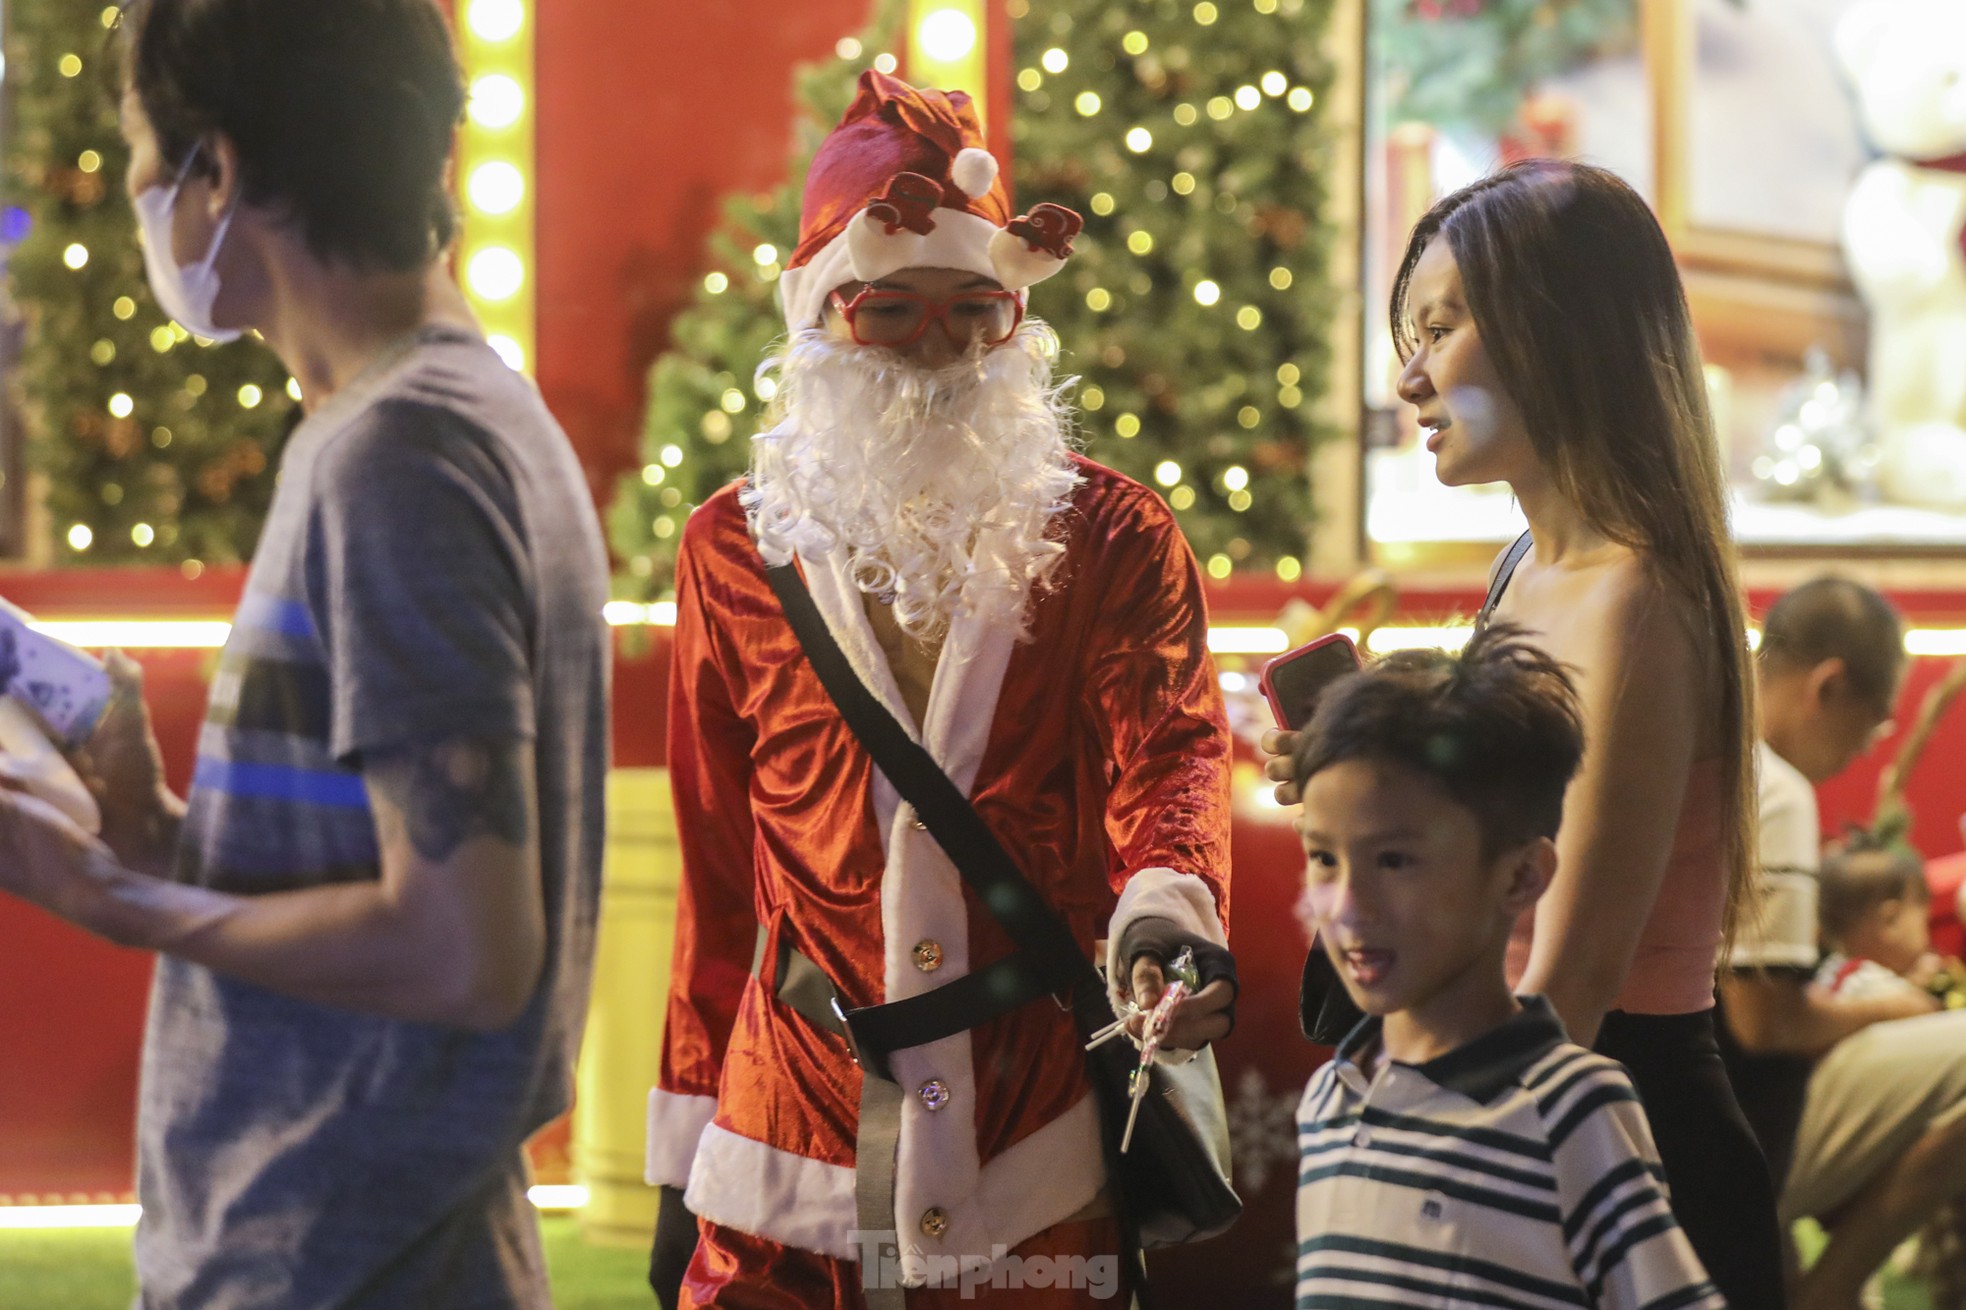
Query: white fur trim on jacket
809, 1204
1159, 894
675, 1123
937, 1161
755, 1188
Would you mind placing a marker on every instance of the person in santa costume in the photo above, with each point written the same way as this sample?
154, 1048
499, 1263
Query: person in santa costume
1036, 621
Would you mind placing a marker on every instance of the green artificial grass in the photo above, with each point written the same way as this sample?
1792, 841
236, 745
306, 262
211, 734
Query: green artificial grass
89, 1269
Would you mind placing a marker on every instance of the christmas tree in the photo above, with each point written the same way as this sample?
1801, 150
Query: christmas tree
1472, 63
156, 446
1195, 308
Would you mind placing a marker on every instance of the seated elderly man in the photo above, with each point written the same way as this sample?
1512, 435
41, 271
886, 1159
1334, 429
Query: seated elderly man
1847, 1088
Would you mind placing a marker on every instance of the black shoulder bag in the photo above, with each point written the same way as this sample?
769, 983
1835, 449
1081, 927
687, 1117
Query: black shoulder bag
1173, 1184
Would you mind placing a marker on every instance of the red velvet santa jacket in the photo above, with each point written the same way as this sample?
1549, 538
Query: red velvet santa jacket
1097, 752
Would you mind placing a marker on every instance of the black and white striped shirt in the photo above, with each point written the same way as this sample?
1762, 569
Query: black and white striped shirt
1517, 1171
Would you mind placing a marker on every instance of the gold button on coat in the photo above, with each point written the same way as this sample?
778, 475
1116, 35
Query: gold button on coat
934, 1093
934, 1221
928, 955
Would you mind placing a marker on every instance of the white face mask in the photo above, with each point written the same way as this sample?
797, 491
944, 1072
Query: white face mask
186, 294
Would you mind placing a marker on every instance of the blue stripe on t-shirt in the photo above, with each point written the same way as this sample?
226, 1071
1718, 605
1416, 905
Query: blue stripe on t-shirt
289, 618
279, 782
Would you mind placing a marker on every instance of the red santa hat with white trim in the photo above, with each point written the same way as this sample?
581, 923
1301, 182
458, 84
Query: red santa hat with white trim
905, 182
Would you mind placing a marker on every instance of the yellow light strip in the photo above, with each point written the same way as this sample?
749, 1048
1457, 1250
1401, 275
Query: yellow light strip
946, 47
495, 156
1223, 639
551, 1198
69, 1216
1232, 640
138, 634
1936, 641
564, 1196
627, 614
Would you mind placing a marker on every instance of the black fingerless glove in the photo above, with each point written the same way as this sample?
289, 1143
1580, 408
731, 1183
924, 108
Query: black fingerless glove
1163, 939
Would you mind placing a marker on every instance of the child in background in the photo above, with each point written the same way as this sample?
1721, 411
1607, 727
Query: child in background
1459, 1149
1874, 911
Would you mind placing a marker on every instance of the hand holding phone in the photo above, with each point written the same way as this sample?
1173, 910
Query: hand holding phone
1292, 681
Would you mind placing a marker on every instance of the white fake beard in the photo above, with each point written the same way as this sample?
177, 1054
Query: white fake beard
940, 485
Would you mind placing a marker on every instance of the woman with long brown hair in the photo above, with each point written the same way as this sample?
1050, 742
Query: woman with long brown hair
1547, 344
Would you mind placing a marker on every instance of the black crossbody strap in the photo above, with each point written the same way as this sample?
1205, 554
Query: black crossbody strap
1053, 961
1503, 572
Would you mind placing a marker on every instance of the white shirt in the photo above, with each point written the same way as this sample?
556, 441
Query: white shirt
1779, 929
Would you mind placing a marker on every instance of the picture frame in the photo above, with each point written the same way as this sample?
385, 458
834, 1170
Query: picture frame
1758, 296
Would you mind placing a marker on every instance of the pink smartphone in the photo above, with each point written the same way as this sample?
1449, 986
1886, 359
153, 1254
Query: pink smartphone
1292, 681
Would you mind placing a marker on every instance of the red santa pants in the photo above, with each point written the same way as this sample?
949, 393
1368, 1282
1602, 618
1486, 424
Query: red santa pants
1069, 1266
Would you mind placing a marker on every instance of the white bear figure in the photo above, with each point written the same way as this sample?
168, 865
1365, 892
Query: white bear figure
1902, 234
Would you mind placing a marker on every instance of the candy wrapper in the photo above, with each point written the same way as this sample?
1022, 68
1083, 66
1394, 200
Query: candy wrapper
66, 687
1182, 980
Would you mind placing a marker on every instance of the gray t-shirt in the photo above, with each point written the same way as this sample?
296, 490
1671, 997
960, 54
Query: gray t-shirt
431, 567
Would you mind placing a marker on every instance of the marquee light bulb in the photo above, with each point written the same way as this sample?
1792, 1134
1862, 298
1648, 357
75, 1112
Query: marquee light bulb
497, 101
497, 187
497, 20
510, 351
496, 273
947, 35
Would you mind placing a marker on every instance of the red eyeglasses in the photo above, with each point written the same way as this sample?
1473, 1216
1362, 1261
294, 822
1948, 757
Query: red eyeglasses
877, 317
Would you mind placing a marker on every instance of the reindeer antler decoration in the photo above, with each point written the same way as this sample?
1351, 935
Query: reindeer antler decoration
1371, 592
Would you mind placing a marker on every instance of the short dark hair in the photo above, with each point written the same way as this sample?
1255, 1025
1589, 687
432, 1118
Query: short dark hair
343, 112
1497, 725
1835, 618
1861, 873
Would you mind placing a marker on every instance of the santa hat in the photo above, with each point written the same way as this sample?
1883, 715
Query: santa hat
905, 182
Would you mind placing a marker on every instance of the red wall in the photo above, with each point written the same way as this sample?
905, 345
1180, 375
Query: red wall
649, 116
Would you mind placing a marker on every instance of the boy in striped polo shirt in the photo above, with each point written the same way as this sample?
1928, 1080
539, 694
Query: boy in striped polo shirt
1460, 1150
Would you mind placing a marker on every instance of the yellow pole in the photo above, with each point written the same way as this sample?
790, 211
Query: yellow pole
621, 1055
